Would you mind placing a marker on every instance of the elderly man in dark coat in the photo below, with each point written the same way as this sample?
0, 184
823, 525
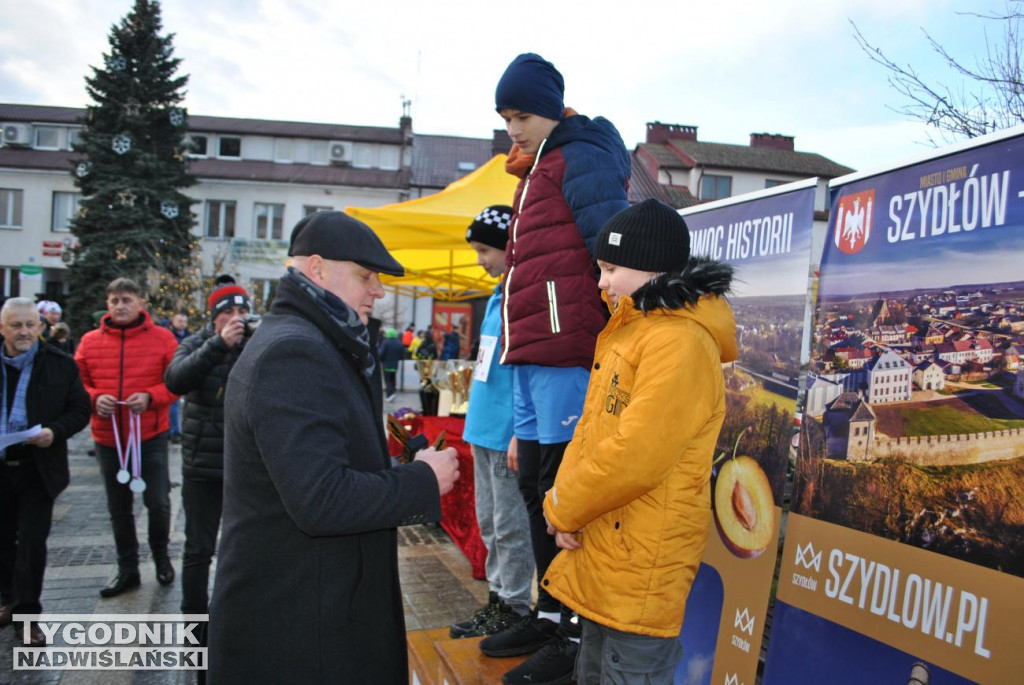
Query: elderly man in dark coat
307, 583
40, 387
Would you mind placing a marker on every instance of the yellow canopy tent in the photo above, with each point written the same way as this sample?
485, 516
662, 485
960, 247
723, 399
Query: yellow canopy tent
427, 235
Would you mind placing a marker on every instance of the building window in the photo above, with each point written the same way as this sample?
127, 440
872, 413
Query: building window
74, 137
365, 156
220, 219
715, 187
318, 152
283, 150
269, 221
263, 291
10, 208
65, 207
309, 209
10, 282
390, 157
197, 145
47, 138
771, 183
229, 146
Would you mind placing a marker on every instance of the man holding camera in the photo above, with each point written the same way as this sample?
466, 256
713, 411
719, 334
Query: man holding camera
199, 371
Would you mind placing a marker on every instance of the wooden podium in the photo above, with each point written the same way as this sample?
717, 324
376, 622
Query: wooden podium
436, 659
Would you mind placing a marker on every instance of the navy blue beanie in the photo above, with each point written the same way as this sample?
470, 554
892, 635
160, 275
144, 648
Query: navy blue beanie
531, 84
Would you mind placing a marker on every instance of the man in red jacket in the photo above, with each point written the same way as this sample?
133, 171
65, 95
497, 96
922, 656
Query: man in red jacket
122, 364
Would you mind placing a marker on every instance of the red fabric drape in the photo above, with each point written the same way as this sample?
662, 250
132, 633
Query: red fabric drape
458, 507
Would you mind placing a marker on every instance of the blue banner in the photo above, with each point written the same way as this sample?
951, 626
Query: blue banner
904, 548
767, 237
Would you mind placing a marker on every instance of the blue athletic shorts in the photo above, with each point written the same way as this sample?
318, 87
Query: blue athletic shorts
548, 401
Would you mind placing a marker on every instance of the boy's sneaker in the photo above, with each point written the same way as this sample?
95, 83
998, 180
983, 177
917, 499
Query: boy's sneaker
527, 634
553, 664
473, 626
500, 620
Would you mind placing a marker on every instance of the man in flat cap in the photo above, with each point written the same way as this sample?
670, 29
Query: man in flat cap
307, 580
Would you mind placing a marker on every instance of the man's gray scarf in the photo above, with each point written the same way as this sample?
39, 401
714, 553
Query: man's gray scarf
348, 322
17, 419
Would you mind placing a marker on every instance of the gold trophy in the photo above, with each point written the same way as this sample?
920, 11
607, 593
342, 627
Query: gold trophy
428, 390
461, 379
425, 368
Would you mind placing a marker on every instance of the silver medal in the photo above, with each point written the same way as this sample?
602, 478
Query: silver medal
123, 477
138, 485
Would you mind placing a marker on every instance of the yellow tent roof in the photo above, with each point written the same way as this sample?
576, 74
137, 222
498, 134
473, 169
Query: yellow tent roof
428, 235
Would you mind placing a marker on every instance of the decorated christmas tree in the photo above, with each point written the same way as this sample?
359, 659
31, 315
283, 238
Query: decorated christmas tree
134, 220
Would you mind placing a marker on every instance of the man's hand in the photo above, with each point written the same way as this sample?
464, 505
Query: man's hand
138, 402
513, 455
445, 465
44, 439
233, 331
105, 405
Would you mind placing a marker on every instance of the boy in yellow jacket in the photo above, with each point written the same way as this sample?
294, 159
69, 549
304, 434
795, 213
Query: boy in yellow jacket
631, 502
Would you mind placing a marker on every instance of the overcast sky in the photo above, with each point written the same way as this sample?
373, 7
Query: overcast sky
729, 68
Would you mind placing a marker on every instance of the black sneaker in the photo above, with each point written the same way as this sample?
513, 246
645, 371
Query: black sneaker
553, 664
528, 634
501, 619
472, 626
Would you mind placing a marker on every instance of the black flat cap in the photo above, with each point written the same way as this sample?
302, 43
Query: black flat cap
336, 235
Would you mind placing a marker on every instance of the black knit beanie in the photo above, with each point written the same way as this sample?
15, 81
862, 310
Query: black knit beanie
490, 226
650, 236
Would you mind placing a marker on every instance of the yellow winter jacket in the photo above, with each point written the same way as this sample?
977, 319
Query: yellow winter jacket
635, 480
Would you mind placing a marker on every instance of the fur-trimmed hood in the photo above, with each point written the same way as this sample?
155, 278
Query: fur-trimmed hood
681, 290
697, 293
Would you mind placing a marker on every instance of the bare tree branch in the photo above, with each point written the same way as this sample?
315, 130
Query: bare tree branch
990, 96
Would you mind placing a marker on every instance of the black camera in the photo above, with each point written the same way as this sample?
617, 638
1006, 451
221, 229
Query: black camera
251, 323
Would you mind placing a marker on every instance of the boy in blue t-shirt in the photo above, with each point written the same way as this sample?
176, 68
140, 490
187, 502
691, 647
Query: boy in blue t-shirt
500, 510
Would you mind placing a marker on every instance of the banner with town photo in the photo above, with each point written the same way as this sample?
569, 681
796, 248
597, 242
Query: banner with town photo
767, 237
904, 547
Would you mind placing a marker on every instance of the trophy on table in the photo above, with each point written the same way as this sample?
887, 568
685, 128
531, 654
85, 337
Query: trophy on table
460, 379
428, 390
442, 380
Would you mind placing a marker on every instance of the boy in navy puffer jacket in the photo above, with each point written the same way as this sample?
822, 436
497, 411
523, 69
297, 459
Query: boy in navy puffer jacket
575, 172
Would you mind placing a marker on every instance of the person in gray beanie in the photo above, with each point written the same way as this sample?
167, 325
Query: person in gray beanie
631, 480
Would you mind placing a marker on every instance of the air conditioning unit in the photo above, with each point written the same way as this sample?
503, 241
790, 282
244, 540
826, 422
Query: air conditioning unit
17, 134
340, 152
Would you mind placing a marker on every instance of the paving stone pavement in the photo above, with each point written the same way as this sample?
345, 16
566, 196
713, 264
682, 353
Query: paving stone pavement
437, 584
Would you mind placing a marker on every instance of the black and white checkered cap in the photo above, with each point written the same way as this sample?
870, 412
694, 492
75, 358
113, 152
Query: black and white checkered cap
490, 226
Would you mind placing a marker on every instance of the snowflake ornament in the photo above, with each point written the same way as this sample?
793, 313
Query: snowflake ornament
177, 117
121, 143
169, 209
82, 170
117, 63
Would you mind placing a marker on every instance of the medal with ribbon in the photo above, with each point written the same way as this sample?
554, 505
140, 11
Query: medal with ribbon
130, 455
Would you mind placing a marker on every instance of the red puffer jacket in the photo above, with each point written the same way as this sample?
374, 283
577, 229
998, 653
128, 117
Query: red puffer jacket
123, 361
